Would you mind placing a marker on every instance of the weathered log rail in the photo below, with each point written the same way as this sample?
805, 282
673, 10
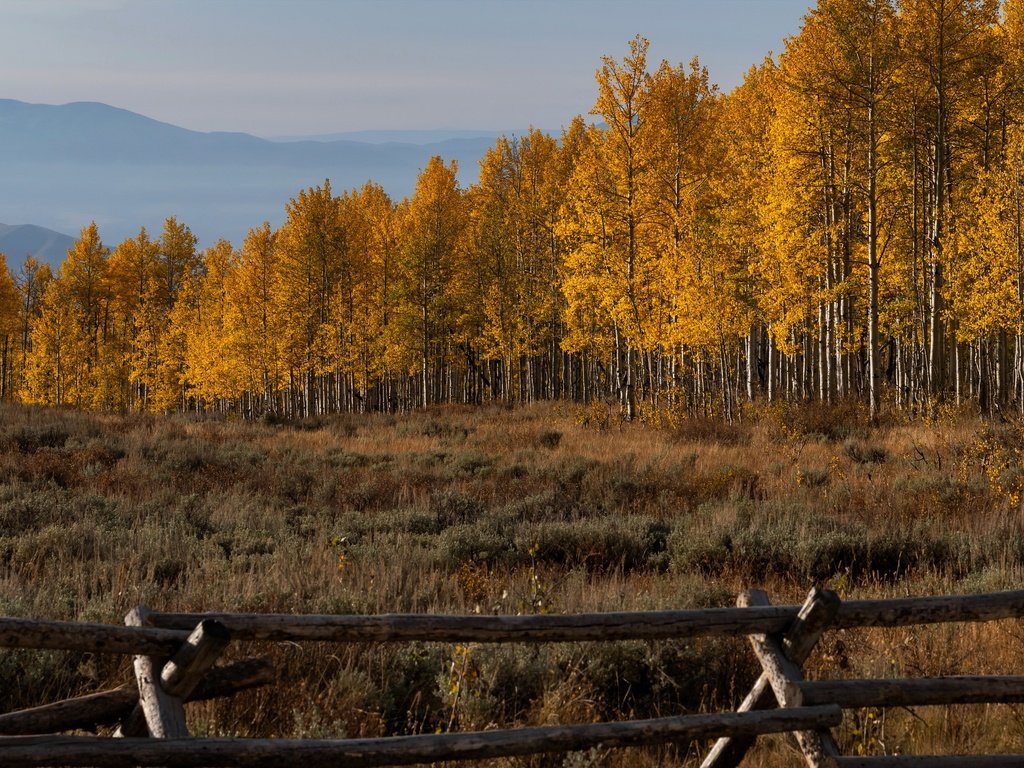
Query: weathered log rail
111, 707
166, 631
20, 752
175, 656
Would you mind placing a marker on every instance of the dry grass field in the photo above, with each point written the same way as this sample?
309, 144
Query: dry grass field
550, 508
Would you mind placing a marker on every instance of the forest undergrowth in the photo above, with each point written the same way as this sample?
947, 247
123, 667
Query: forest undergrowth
543, 509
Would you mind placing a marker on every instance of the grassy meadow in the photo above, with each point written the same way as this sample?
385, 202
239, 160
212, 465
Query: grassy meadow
548, 508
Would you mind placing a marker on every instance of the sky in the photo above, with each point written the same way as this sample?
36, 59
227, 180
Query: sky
307, 67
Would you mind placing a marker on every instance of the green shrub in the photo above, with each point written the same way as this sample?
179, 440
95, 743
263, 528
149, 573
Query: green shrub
470, 464
450, 507
631, 679
409, 698
482, 542
599, 544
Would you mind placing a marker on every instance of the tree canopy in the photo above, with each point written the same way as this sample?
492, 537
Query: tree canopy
846, 224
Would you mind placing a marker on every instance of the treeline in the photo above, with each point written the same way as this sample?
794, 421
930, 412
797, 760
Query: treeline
845, 224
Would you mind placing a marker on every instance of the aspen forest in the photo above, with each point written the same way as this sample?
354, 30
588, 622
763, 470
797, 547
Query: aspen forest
846, 225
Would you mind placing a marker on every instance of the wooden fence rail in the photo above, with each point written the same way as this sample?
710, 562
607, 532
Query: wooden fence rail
652, 625
166, 631
84, 713
21, 752
176, 655
90, 638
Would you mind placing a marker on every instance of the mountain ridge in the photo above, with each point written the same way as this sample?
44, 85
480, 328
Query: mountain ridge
20, 240
415, 137
70, 164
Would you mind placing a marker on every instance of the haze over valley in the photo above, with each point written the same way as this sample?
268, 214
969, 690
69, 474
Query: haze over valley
71, 164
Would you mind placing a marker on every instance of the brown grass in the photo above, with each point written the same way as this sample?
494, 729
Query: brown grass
540, 509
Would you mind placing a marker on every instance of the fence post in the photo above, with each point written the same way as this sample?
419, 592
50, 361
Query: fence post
163, 687
113, 706
785, 676
815, 616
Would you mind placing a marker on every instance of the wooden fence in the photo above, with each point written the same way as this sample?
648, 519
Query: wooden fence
176, 655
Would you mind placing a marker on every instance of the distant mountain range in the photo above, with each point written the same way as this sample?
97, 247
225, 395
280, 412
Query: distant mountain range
403, 137
64, 166
20, 240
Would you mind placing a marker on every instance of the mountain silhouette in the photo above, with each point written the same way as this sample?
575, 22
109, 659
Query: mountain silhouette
20, 240
66, 165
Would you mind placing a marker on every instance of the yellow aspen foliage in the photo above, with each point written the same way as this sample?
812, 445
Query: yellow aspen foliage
1011, 42
621, 183
310, 247
64, 366
133, 264
586, 273
988, 289
151, 319
515, 213
179, 260
211, 371
703, 275
158, 359
55, 371
10, 306
371, 236
351, 326
431, 276
31, 281
844, 224
746, 156
252, 317
166, 386
944, 46
84, 273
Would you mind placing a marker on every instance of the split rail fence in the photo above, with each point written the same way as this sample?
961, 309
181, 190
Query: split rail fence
175, 659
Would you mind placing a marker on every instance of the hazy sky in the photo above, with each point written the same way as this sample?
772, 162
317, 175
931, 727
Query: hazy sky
274, 67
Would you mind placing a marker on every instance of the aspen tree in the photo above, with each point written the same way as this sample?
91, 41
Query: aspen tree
84, 273
361, 267
1011, 32
380, 228
703, 309
31, 281
254, 321
159, 360
310, 247
942, 40
211, 366
988, 289
56, 366
493, 233
740, 184
431, 258
65, 365
179, 260
9, 322
613, 198
43, 354
802, 230
586, 269
855, 51
133, 264
515, 215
